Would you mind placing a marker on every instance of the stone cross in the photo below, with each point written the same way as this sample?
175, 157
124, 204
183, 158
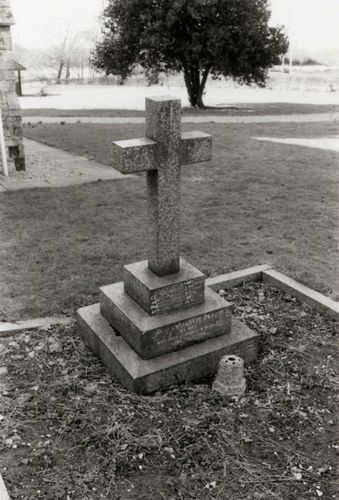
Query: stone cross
161, 154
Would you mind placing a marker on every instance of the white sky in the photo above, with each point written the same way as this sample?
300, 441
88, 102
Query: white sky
40, 23
309, 23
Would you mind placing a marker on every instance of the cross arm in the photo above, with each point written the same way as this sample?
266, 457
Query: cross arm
135, 155
195, 147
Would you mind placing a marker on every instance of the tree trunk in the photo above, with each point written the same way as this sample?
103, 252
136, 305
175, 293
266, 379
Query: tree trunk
68, 71
194, 85
61, 65
203, 81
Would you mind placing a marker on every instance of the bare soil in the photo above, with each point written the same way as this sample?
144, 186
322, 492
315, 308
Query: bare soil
68, 430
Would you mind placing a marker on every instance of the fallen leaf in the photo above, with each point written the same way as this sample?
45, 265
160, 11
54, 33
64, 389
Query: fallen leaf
92, 387
55, 347
23, 398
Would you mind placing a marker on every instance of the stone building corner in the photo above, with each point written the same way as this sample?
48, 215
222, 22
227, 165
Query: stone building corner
9, 102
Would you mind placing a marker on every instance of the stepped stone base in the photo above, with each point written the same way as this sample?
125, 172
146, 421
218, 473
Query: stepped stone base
145, 376
152, 336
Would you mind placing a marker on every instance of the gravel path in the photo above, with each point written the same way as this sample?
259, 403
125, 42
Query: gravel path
40, 167
51, 167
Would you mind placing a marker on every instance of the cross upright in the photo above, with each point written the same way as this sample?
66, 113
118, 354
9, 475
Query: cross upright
161, 154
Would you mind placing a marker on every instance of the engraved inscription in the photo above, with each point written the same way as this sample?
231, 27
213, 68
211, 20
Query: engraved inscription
192, 329
154, 304
188, 290
184, 293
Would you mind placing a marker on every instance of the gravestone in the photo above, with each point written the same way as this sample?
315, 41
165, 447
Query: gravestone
9, 102
161, 325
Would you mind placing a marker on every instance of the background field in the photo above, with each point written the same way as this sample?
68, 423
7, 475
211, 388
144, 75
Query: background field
304, 86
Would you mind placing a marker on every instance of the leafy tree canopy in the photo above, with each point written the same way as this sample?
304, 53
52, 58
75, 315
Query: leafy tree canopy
229, 38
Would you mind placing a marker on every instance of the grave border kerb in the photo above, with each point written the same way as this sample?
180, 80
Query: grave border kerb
261, 273
267, 274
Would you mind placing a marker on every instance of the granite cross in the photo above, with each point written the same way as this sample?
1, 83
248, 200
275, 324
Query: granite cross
161, 154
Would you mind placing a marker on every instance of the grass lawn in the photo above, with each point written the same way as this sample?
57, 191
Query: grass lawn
256, 202
278, 108
68, 430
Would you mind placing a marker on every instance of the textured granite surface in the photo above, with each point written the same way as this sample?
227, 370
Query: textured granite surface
163, 125
135, 155
162, 160
146, 376
151, 336
157, 295
195, 147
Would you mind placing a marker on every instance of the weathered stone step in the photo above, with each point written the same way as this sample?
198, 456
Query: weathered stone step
152, 336
145, 376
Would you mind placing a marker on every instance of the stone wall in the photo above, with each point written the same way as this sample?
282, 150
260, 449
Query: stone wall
9, 102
